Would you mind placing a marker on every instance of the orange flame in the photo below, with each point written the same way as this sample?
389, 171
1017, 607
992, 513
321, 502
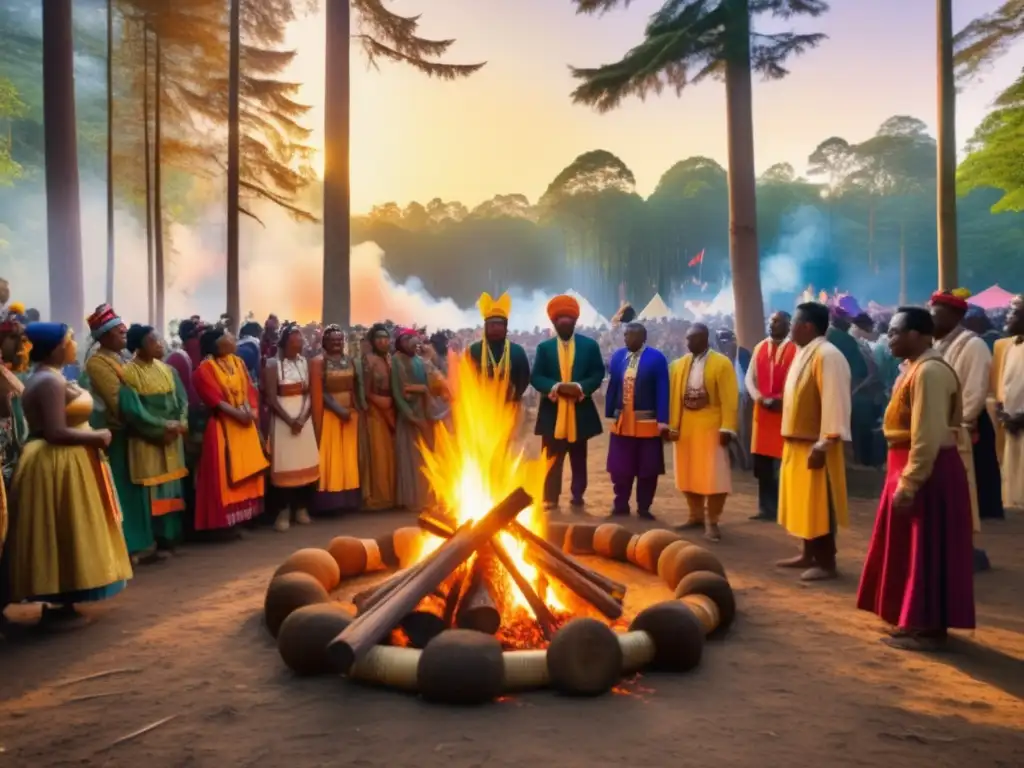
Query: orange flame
479, 464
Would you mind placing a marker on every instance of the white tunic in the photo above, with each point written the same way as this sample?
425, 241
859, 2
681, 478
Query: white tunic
968, 355
1011, 394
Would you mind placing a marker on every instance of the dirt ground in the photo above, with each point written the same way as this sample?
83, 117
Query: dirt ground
801, 680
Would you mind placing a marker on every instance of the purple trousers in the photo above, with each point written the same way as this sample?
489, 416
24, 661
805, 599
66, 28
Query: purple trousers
635, 459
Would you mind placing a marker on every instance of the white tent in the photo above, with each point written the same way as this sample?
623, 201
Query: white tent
589, 316
656, 309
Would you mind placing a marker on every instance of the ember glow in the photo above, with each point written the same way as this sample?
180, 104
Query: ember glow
479, 465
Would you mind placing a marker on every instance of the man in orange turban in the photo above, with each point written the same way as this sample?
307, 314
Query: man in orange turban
567, 370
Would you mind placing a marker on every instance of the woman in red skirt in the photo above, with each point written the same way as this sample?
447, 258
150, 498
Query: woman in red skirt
918, 575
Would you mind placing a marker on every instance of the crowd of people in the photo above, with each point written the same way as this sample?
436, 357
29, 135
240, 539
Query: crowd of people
112, 461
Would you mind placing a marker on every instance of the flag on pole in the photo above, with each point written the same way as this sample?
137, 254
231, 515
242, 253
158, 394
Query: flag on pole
698, 259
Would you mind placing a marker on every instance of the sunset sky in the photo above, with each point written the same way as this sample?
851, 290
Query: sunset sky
512, 127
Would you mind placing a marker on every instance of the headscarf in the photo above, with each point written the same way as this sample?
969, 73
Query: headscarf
136, 335
495, 309
103, 320
401, 333
563, 306
953, 299
45, 339
16, 308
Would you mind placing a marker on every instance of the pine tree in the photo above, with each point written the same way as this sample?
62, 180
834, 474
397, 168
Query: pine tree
688, 41
383, 35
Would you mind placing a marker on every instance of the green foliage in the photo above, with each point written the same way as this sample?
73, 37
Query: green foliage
996, 149
11, 108
688, 41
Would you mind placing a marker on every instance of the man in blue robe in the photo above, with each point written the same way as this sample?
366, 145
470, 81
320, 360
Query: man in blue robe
637, 402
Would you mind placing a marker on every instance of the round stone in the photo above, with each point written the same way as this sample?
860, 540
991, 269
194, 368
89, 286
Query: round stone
318, 563
555, 534
603, 535
287, 593
461, 666
303, 638
584, 658
579, 539
651, 545
716, 587
619, 544
668, 554
408, 543
350, 554
690, 560
677, 635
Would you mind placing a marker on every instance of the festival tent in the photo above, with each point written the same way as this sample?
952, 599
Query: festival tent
656, 309
589, 316
992, 298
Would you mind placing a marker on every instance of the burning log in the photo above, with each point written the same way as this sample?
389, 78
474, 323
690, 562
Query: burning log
583, 587
370, 628
426, 622
613, 588
477, 609
541, 612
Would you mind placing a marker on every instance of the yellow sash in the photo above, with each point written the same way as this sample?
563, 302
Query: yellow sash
243, 448
565, 423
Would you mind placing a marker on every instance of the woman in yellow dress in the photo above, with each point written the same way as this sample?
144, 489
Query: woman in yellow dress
337, 400
66, 545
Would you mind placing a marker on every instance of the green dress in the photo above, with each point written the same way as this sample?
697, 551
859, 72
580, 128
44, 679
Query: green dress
104, 376
151, 396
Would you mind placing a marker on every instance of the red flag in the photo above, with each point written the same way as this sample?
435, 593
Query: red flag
698, 259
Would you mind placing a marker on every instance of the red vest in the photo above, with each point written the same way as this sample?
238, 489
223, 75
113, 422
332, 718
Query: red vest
771, 365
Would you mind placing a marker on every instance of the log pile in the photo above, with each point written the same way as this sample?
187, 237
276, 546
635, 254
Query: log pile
455, 586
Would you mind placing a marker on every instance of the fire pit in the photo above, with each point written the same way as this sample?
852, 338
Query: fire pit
488, 598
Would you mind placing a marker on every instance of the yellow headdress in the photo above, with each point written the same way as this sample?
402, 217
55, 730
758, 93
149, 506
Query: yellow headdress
16, 308
491, 308
961, 293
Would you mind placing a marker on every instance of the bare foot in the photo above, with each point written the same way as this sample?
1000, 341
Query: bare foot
690, 525
711, 533
909, 641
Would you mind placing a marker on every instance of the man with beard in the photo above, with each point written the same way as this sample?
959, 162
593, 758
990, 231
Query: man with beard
637, 401
504, 359
567, 371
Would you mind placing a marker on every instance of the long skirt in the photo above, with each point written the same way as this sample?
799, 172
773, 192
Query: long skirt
229, 476
294, 459
339, 463
135, 499
380, 491
66, 544
919, 571
986, 471
412, 490
812, 502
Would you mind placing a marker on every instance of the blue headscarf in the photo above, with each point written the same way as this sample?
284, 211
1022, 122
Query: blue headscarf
45, 338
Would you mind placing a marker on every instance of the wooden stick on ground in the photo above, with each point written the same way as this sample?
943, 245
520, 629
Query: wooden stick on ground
97, 676
141, 732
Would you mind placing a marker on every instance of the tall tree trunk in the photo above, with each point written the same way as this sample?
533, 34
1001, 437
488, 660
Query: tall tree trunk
63, 208
158, 197
147, 159
337, 192
946, 171
743, 255
110, 152
234, 301
903, 263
